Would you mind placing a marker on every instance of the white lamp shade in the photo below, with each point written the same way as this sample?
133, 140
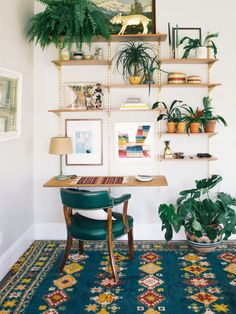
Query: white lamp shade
60, 146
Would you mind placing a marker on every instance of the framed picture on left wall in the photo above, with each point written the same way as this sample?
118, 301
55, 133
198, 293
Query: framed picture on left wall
86, 138
10, 104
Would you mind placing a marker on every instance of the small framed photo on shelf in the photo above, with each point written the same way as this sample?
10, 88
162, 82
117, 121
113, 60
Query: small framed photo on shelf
119, 12
86, 138
83, 96
10, 104
180, 32
134, 141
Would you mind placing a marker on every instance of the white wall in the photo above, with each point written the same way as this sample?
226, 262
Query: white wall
16, 160
143, 206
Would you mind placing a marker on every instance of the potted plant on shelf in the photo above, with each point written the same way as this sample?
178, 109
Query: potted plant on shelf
199, 47
193, 119
133, 58
207, 219
66, 22
208, 119
173, 115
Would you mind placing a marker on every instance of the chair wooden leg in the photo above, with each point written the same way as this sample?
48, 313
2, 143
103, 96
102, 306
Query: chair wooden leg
131, 244
66, 254
112, 260
81, 247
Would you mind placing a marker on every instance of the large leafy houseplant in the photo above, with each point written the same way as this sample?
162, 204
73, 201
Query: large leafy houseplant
200, 213
68, 22
193, 44
208, 118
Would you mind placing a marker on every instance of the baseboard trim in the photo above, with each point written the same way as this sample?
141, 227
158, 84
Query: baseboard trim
57, 231
17, 249
142, 231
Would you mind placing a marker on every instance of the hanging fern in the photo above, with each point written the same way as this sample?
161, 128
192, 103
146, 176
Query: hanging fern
76, 21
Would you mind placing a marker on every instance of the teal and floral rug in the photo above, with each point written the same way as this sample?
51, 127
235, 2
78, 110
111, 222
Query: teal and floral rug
163, 279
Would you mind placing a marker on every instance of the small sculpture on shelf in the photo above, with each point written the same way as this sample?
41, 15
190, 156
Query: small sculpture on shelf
167, 151
178, 155
98, 55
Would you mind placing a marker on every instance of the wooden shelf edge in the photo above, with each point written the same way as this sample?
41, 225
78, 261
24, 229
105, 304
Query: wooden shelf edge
206, 85
188, 158
59, 111
80, 62
186, 134
165, 85
188, 61
106, 62
134, 37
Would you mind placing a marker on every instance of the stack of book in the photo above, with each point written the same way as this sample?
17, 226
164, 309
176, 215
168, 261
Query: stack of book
134, 103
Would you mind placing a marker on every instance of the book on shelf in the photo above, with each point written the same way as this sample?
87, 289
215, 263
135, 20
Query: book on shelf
134, 105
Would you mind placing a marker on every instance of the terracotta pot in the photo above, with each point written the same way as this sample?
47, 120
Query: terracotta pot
134, 80
202, 244
195, 127
181, 127
210, 126
171, 127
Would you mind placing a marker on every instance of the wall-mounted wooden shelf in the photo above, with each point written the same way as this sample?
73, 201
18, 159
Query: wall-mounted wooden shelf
134, 37
213, 85
130, 37
134, 85
188, 61
80, 62
58, 112
187, 134
205, 85
188, 158
105, 62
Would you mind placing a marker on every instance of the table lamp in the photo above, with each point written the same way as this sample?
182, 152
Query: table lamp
60, 146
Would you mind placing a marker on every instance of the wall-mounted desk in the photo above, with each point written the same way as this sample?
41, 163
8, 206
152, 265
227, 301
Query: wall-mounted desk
106, 182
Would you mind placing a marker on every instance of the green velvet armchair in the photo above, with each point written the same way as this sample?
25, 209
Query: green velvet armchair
83, 228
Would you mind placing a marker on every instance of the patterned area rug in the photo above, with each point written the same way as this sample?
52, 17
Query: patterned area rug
163, 279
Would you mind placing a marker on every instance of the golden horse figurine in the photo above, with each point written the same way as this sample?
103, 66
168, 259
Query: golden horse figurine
130, 20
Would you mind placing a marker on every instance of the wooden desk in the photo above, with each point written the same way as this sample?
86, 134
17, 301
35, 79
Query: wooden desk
130, 181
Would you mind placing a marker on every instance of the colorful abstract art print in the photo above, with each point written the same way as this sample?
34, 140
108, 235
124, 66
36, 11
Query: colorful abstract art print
134, 140
112, 8
86, 138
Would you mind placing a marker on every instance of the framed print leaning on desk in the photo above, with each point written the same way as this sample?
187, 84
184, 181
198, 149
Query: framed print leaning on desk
86, 136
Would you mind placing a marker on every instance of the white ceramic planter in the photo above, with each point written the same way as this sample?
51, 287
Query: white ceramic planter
201, 53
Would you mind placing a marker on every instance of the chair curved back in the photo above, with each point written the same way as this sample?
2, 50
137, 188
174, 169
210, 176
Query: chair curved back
86, 199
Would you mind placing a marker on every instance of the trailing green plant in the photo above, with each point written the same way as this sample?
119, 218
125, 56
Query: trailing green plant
208, 113
132, 58
149, 69
196, 43
173, 114
200, 213
68, 21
